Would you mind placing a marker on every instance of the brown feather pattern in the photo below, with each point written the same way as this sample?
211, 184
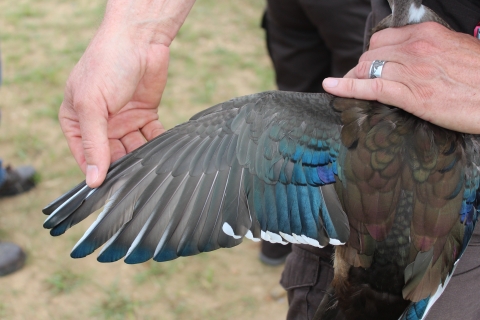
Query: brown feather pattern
402, 191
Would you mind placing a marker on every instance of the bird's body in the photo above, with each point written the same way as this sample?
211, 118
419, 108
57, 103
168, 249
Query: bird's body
407, 187
396, 193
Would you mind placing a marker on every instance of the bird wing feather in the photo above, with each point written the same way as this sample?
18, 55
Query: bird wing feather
257, 166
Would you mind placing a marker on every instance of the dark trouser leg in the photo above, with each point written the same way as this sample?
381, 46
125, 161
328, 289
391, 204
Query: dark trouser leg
300, 57
341, 25
309, 40
274, 254
308, 272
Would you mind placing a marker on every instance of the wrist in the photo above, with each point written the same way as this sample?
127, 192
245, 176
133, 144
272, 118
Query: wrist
146, 21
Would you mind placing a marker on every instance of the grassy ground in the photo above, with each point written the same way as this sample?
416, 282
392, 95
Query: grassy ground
218, 54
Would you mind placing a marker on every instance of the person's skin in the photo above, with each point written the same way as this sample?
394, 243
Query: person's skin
432, 72
112, 94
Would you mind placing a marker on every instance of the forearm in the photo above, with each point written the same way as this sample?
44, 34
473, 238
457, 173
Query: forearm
148, 21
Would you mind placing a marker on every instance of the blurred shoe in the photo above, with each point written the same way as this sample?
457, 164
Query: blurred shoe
12, 258
17, 180
274, 254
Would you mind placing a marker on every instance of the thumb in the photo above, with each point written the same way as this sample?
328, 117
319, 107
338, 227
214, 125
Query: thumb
93, 129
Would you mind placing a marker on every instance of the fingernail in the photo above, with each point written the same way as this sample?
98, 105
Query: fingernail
92, 174
330, 82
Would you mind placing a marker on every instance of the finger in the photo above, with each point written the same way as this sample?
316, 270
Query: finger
71, 130
401, 46
385, 91
96, 148
391, 71
351, 73
133, 140
396, 36
129, 121
152, 130
389, 53
117, 149
120, 147
391, 37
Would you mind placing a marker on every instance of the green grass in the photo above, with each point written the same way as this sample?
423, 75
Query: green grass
3, 311
203, 279
17, 14
159, 271
115, 305
50, 110
244, 307
64, 281
28, 145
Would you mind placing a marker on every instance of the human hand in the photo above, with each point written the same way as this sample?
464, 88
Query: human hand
432, 72
112, 95
111, 100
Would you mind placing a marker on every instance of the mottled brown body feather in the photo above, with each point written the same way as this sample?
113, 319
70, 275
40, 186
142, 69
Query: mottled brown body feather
401, 188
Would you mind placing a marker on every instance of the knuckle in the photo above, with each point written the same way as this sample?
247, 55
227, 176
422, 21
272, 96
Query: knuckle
93, 149
431, 26
89, 108
377, 86
373, 40
156, 132
88, 146
363, 68
421, 47
350, 84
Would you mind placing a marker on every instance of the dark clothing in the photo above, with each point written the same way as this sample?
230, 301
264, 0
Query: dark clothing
307, 275
301, 65
309, 40
461, 15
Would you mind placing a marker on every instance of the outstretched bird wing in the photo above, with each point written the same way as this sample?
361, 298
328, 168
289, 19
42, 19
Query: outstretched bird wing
259, 166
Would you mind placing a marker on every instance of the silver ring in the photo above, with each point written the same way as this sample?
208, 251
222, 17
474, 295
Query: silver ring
376, 69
